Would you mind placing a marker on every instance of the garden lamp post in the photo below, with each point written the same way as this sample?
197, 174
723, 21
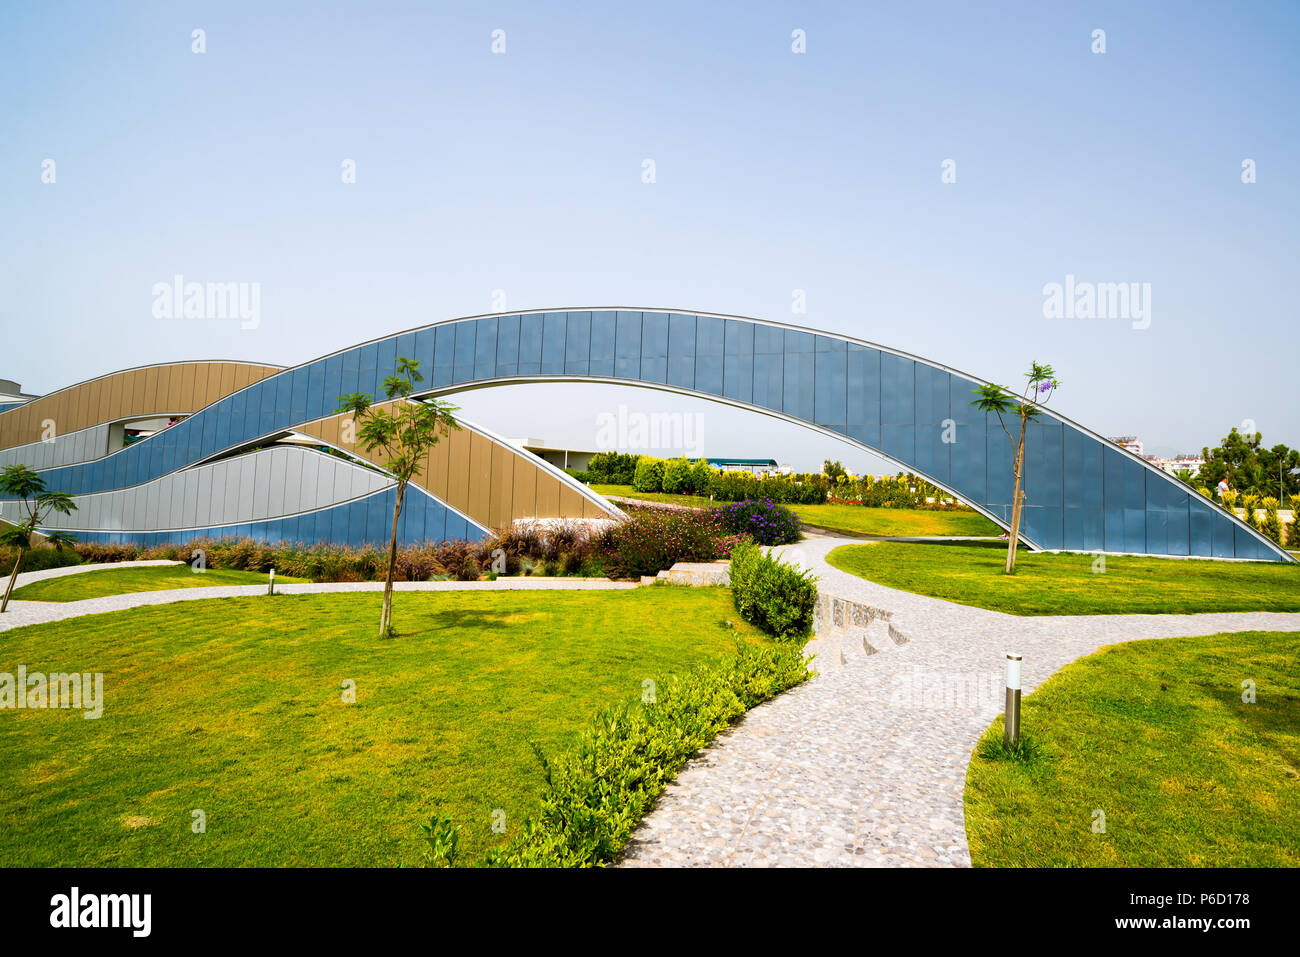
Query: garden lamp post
1011, 723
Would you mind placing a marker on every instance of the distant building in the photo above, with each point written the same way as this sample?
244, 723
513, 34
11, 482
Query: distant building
579, 459
12, 394
757, 466
1130, 442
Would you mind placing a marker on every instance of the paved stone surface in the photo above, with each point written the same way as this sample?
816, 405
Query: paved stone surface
865, 765
38, 612
26, 578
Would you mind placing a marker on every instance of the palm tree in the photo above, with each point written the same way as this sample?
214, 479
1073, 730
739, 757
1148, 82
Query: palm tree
20, 482
1040, 386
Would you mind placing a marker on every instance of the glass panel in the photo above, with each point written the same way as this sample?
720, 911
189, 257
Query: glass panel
831, 396
798, 398
507, 346
768, 373
530, 344
553, 328
485, 348
654, 347
367, 369
862, 385
710, 339
422, 352
577, 343
681, 351
385, 362
898, 385
463, 363
603, 325
444, 354
316, 397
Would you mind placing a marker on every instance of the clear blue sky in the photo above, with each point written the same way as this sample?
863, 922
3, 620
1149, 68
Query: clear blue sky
775, 172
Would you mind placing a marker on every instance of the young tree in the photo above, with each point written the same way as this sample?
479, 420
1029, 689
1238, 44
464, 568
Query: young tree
404, 433
20, 482
1040, 386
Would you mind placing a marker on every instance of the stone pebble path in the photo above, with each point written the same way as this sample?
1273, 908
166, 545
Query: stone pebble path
865, 765
39, 612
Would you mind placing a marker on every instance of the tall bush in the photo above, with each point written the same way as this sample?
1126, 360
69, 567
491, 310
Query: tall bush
677, 476
649, 475
771, 594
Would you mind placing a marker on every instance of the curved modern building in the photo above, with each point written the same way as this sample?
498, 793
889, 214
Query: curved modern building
258, 450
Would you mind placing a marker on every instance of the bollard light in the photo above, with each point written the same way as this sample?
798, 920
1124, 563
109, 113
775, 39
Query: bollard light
270, 588
1011, 723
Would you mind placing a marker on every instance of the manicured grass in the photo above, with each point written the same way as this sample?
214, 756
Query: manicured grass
848, 519
122, 581
1155, 735
1065, 584
628, 491
895, 522
235, 707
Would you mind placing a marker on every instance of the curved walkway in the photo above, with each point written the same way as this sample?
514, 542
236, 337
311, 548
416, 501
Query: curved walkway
866, 764
22, 613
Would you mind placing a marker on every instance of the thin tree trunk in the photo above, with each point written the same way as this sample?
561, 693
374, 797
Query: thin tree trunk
1017, 499
386, 616
12, 578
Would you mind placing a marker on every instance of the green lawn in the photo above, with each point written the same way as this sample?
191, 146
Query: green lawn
121, 581
895, 522
234, 706
1065, 584
1155, 735
848, 519
628, 491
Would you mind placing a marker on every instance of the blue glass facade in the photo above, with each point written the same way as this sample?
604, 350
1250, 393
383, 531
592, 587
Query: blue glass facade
363, 521
1082, 493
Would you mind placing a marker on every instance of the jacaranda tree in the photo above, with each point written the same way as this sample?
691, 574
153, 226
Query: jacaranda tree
21, 483
1039, 388
403, 430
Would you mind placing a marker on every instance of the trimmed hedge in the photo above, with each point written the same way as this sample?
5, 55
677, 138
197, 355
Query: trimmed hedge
771, 594
598, 791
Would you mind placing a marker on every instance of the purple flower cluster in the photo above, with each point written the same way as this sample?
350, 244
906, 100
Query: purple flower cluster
763, 520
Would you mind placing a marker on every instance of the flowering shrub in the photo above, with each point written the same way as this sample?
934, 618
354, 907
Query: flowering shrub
653, 539
761, 519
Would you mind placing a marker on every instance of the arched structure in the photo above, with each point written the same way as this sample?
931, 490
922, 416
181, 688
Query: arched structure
1083, 493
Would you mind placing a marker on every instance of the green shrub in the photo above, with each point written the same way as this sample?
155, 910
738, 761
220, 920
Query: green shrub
649, 475
443, 839
771, 594
1271, 526
597, 792
701, 475
677, 476
612, 468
